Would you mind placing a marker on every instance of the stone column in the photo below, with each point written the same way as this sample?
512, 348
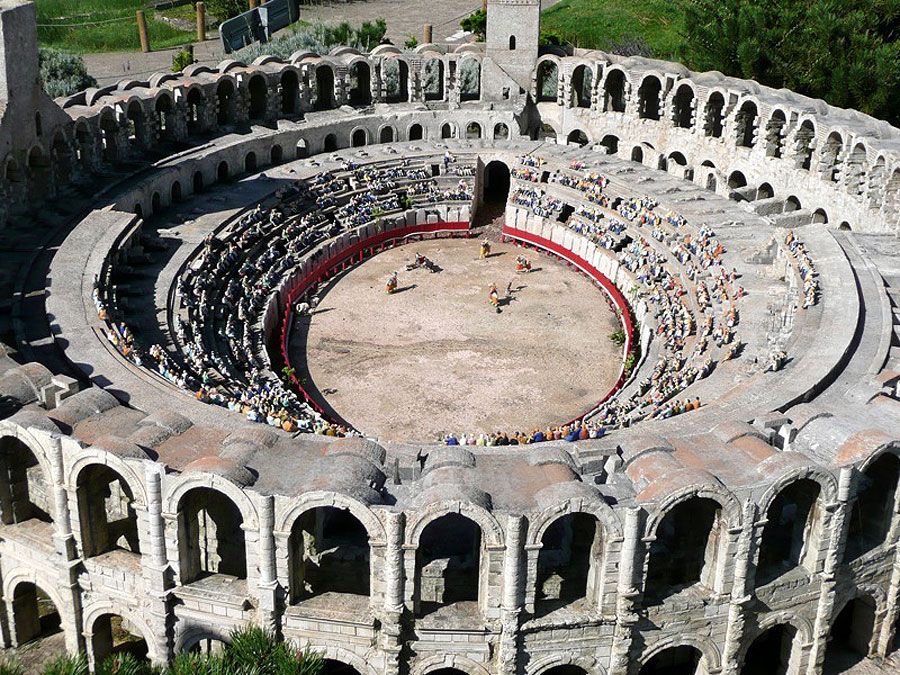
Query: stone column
628, 590
837, 540
513, 597
885, 636
155, 566
740, 590
267, 587
394, 577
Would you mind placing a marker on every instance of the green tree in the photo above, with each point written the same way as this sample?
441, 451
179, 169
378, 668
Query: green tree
476, 22
63, 74
226, 9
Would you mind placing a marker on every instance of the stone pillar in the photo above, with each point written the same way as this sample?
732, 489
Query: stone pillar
740, 590
426, 33
513, 597
268, 581
885, 636
155, 566
628, 590
394, 577
837, 540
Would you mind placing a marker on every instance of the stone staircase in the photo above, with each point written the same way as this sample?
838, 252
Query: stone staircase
892, 286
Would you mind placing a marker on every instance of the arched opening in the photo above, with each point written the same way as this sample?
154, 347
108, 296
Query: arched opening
501, 132
333, 667
611, 143
512, 43
433, 80
139, 210
547, 133
711, 183
40, 174
662, 163
804, 143
259, 94
225, 103
328, 553
34, 614
196, 109
84, 145
210, 536
415, 132
683, 660
137, 129
745, 124
24, 492
447, 130
820, 216
566, 669
164, 120
791, 534
547, 82
473, 130
197, 182
324, 88
469, 79
448, 560
106, 512
360, 84
569, 563
61, 153
648, 98
637, 154
577, 137
850, 637
358, 139
686, 549
678, 159
155, 204
205, 644
113, 634
683, 107
775, 134
330, 143
715, 104
290, 92
582, 80
109, 130
845, 226
396, 80
276, 155
175, 194
873, 507
250, 162
765, 191
38, 127
792, 204
222, 171
855, 170
876, 183
771, 653
496, 183
614, 92
830, 152
737, 180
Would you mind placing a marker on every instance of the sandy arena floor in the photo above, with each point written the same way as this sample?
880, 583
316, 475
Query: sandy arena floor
435, 357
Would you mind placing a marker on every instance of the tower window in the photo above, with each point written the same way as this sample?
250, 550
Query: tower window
512, 43
38, 130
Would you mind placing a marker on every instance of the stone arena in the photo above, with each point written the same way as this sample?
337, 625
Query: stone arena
187, 449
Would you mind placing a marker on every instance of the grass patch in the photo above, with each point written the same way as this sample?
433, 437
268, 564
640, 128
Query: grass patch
602, 24
81, 26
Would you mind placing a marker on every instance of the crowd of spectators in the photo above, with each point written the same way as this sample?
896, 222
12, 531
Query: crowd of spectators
805, 268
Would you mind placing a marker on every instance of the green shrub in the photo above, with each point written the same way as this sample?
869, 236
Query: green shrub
181, 60
226, 9
63, 74
618, 337
317, 37
476, 22
9, 666
411, 42
68, 665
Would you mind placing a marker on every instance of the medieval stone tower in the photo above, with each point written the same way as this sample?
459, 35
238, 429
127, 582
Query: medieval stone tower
513, 27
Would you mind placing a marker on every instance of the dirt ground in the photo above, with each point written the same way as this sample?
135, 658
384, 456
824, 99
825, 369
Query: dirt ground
435, 356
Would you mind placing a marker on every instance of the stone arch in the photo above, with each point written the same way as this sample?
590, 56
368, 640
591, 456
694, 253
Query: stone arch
611, 143
792, 204
210, 536
136, 123
473, 130
677, 158
290, 92
765, 191
387, 134
360, 83
344, 657
831, 150
312, 500
84, 144
737, 180
22, 467
175, 192
250, 162
683, 106
180, 485
359, 137
855, 170
820, 216
614, 88
155, 204
190, 636
649, 97
872, 510
197, 182
774, 651
711, 182
40, 173
25, 621
876, 182
852, 631
469, 73
225, 102
804, 140
61, 154
433, 79
581, 86
637, 154
415, 132
775, 133
706, 649
258, 91
713, 123
745, 124
578, 136
324, 76
547, 82
395, 79
330, 143
222, 171
276, 154
600, 510
490, 528
196, 110
430, 664
97, 611
448, 130
501, 131
548, 665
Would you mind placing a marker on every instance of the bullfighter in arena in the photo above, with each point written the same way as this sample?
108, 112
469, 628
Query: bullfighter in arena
485, 249
522, 264
391, 284
494, 297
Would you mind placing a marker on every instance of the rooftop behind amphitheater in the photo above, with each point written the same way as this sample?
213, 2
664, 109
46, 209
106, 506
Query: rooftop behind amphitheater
723, 499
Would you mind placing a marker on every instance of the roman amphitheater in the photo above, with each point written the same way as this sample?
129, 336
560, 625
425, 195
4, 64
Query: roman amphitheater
214, 415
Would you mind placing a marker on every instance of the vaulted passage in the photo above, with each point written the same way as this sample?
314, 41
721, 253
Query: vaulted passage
447, 563
112, 634
870, 518
106, 511
684, 660
569, 562
34, 614
685, 550
333, 667
772, 653
851, 634
211, 540
24, 493
791, 534
565, 670
329, 553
